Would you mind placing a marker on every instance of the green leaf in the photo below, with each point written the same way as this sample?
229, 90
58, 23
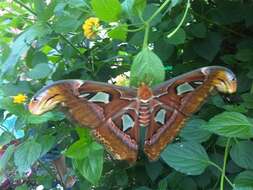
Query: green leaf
243, 181
44, 11
193, 131
40, 71
12, 89
178, 38
242, 154
148, 68
19, 110
119, 33
91, 166
21, 45
4, 159
208, 47
148, 12
67, 23
230, 124
49, 116
26, 154
187, 157
139, 6
5, 138
79, 149
22, 187
134, 6
38, 58
107, 10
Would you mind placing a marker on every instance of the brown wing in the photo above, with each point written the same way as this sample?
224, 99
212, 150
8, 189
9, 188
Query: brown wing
179, 98
107, 109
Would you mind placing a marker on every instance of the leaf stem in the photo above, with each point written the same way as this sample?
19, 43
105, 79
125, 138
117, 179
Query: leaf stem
145, 41
224, 164
182, 20
220, 169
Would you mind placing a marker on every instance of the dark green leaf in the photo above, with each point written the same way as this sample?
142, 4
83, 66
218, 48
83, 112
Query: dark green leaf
230, 124
198, 30
244, 181
193, 131
229, 59
208, 47
177, 38
242, 154
153, 169
187, 157
244, 55
107, 10
148, 68
149, 11
46, 142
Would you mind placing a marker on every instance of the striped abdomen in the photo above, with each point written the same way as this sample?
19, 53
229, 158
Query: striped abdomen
144, 114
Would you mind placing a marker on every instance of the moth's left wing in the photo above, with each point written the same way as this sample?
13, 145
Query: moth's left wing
177, 99
108, 110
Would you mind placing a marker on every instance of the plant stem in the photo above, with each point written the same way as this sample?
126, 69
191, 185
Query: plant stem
182, 20
158, 11
220, 169
224, 164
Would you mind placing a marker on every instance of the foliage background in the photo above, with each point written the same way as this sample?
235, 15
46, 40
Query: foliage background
43, 42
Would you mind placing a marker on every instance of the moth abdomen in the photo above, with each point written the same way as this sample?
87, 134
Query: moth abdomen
144, 114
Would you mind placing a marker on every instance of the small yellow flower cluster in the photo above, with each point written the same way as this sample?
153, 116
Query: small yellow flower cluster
90, 27
19, 99
122, 80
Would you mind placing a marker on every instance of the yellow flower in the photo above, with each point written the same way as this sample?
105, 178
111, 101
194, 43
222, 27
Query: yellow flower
19, 99
90, 27
122, 80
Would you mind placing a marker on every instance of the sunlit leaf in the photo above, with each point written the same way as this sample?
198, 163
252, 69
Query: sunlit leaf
148, 68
